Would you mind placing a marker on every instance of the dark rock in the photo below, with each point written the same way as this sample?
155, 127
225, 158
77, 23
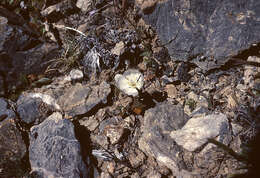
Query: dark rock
16, 63
4, 109
59, 10
81, 99
5, 31
12, 147
166, 80
159, 122
182, 72
32, 110
54, 150
2, 86
21, 54
136, 158
207, 32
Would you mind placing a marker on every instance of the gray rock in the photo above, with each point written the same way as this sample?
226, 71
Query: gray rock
54, 150
166, 80
159, 122
5, 112
16, 63
209, 32
197, 131
2, 86
196, 105
32, 110
12, 147
80, 99
59, 10
84, 5
90, 122
5, 31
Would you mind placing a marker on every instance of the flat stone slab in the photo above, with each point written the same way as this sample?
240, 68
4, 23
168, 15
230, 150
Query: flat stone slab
197, 131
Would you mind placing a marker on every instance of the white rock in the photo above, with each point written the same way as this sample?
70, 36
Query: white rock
84, 5
76, 74
118, 49
46, 99
197, 131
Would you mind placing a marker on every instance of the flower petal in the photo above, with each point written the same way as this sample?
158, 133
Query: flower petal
130, 81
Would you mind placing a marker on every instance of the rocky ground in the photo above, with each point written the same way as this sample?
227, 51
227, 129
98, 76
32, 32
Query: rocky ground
129, 88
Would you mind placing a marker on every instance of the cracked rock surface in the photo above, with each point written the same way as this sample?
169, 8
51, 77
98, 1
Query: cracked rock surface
54, 150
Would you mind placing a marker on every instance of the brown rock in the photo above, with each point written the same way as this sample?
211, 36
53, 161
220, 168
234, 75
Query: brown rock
12, 149
114, 133
118, 49
80, 99
136, 158
90, 122
171, 91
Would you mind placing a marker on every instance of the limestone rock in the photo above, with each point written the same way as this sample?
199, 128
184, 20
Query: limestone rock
83, 5
197, 131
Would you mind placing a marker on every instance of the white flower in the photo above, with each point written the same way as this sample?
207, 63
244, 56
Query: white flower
130, 82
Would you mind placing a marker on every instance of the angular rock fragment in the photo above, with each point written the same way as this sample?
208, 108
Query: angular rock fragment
80, 99
12, 147
54, 150
159, 122
33, 110
5, 111
197, 131
84, 5
90, 122
59, 10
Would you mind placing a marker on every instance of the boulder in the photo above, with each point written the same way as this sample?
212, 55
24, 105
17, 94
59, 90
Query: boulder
207, 33
54, 150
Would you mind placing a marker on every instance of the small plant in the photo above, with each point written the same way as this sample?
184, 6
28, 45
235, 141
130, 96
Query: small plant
68, 58
191, 103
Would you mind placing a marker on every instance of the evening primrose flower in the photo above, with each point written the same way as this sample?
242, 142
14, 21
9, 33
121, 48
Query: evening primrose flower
130, 82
